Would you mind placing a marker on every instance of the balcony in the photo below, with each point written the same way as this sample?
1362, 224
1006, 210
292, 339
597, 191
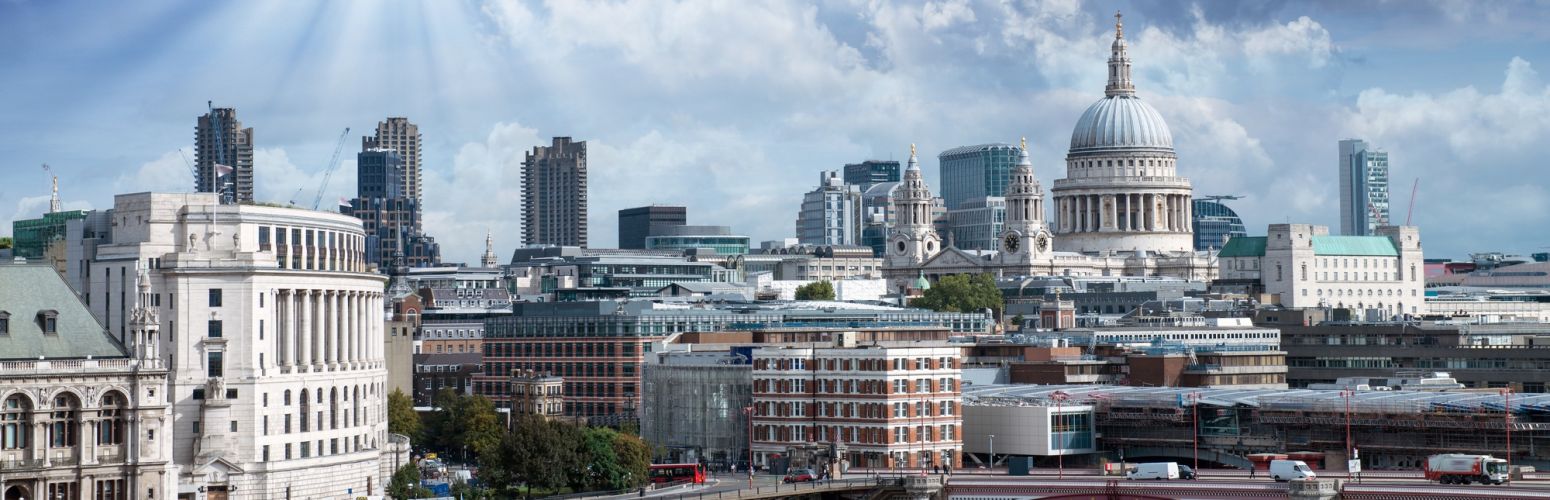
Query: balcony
54, 367
21, 464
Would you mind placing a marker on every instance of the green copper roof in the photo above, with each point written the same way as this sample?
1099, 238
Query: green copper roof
1243, 246
26, 291
1360, 246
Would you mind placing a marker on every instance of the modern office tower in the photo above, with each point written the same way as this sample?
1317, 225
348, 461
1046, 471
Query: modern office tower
392, 219
877, 216
1122, 191
1214, 223
554, 194
976, 224
870, 172
971, 172
223, 156
398, 134
82, 414
272, 331
637, 224
1364, 188
830, 214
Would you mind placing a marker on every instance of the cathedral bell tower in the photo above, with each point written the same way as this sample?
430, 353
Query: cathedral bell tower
914, 240
1024, 238
146, 326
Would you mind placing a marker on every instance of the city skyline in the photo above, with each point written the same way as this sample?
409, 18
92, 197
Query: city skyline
1258, 96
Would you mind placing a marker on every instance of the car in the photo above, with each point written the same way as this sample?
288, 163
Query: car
800, 476
1185, 472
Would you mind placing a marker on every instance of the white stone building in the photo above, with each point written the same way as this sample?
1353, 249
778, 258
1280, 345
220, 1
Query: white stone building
273, 332
1302, 265
82, 415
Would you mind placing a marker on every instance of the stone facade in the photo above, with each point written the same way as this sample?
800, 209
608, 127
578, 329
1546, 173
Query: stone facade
275, 343
1302, 265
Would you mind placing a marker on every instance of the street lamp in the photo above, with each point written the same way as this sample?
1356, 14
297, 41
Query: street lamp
992, 450
1348, 394
748, 410
1507, 419
1194, 414
1060, 456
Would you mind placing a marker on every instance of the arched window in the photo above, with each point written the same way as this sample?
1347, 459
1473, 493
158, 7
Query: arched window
15, 422
1278, 271
1305, 271
287, 397
357, 402
110, 426
306, 405
64, 421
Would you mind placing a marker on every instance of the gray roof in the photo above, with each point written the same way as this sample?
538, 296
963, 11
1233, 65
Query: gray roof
28, 290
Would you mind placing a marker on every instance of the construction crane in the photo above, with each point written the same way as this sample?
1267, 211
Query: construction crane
328, 172
1219, 198
190, 164
1411, 211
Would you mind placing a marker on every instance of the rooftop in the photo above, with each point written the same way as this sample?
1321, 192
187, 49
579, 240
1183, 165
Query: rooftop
29, 294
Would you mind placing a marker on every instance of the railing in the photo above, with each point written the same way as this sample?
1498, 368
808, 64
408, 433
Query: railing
21, 463
50, 366
110, 458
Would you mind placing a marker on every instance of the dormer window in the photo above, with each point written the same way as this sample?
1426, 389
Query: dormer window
48, 320
5, 323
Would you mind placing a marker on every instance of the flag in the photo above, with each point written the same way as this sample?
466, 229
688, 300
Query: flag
344, 202
221, 170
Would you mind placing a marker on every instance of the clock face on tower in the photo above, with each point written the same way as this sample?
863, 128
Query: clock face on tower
1011, 242
1041, 242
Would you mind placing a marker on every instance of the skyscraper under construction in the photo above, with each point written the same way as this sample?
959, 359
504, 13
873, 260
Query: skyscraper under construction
223, 152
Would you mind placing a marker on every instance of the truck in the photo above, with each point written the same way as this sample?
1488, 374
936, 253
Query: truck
1458, 468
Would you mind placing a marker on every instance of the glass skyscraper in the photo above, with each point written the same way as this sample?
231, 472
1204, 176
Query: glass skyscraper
1364, 188
972, 172
1214, 223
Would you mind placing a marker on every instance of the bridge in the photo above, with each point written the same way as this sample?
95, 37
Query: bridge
1088, 484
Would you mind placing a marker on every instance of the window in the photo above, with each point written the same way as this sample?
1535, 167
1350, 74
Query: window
215, 297
48, 320
214, 330
197, 427
15, 422
110, 429
5, 323
64, 421
213, 364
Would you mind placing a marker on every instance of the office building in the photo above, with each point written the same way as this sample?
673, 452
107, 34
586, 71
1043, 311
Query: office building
877, 216
554, 194
434, 373
32, 238
977, 223
871, 172
830, 214
82, 414
972, 172
877, 406
1364, 188
1303, 266
390, 216
598, 346
398, 134
223, 156
692, 406
1214, 223
637, 224
715, 238
274, 342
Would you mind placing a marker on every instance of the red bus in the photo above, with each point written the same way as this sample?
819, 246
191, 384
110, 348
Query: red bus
677, 473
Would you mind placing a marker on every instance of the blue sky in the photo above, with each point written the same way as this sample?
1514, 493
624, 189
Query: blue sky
733, 108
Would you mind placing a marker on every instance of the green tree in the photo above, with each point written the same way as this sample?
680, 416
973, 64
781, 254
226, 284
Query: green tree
634, 458
406, 483
534, 454
818, 290
1018, 321
402, 418
962, 293
463, 424
6, 242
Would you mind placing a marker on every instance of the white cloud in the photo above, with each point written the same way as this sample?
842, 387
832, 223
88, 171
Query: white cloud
167, 173
482, 191
938, 15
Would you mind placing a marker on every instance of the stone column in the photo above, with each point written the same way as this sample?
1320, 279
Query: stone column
355, 328
337, 301
304, 333
1189, 214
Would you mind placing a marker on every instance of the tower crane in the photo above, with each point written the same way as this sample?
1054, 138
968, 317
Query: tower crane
190, 164
328, 172
1411, 210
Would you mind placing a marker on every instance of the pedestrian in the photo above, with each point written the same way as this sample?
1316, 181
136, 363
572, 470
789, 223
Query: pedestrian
1253, 472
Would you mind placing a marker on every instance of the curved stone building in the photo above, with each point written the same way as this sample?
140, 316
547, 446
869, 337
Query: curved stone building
1122, 191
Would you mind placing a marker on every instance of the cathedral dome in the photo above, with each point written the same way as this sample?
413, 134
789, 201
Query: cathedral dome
1120, 121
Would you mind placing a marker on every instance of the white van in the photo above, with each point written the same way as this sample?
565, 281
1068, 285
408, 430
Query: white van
1159, 470
1287, 470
